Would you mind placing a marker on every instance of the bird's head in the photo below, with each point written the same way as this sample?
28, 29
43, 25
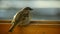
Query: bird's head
28, 8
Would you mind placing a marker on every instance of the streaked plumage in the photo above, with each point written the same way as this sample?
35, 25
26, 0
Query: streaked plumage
21, 18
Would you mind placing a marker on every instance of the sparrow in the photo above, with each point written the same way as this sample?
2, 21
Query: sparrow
21, 18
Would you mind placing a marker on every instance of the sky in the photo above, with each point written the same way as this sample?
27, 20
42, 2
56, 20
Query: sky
41, 7
33, 4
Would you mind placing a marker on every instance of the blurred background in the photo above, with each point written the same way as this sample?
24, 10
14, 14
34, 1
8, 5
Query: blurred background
43, 9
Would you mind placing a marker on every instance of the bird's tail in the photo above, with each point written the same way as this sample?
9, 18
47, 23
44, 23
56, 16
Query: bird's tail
12, 28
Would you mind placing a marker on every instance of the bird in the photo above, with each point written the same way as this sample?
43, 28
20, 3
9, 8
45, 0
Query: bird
21, 18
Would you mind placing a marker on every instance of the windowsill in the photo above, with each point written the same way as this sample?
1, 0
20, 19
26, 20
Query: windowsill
43, 22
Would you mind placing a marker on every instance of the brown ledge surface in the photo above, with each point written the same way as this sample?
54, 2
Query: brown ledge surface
35, 27
36, 21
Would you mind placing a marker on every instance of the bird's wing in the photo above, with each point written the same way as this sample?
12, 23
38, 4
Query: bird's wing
26, 18
17, 17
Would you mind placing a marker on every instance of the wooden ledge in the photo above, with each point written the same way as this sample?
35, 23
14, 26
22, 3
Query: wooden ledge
39, 27
35, 21
5, 21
